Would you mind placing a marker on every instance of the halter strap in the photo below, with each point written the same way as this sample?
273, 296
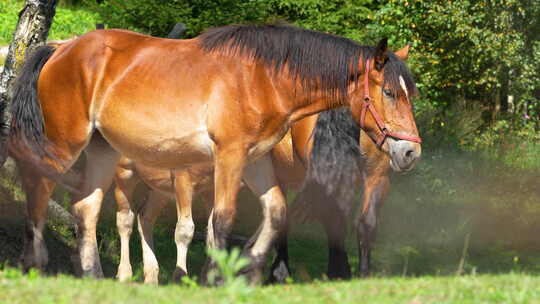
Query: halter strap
367, 106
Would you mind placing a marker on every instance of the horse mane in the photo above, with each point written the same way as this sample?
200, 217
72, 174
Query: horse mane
335, 166
319, 60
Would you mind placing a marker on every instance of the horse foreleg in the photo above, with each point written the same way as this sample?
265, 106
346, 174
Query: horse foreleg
146, 217
260, 178
280, 269
38, 190
126, 182
185, 227
375, 191
101, 161
229, 166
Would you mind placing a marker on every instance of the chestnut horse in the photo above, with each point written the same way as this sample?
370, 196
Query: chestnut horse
221, 100
320, 158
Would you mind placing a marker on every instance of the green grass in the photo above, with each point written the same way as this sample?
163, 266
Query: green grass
509, 288
68, 21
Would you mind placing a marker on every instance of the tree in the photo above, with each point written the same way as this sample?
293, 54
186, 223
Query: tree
476, 63
35, 20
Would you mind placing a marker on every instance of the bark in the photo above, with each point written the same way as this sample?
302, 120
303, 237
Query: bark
35, 20
505, 88
501, 95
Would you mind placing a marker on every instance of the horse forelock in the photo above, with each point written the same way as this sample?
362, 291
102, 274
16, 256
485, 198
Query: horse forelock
398, 77
318, 60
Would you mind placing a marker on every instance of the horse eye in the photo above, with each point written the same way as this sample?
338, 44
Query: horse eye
388, 93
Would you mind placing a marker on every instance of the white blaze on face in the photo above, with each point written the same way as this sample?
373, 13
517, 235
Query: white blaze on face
403, 86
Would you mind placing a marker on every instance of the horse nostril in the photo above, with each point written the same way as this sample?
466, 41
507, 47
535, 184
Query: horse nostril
409, 154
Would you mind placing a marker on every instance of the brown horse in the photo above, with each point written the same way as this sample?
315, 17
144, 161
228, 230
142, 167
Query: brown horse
222, 99
328, 141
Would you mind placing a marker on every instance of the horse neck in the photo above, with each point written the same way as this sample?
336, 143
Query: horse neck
303, 102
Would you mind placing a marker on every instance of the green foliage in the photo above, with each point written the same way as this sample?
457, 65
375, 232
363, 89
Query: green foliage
72, 21
8, 19
69, 21
158, 17
469, 54
344, 17
229, 264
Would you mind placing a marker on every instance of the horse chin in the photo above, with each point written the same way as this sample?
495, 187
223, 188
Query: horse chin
398, 169
395, 167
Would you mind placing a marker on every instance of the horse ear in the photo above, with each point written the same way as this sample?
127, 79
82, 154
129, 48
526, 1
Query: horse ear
380, 54
403, 53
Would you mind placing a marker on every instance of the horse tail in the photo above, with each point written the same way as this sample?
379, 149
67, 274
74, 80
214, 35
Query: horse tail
334, 169
28, 141
27, 124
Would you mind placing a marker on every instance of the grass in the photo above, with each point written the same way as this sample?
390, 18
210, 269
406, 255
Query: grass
69, 21
509, 288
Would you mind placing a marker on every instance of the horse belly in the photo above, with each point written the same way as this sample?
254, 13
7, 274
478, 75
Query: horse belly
164, 148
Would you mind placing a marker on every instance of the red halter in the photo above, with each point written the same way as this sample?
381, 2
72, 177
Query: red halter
368, 106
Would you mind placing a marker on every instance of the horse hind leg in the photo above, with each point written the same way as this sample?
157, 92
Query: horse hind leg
335, 226
280, 269
146, 218
125, 181
260, 178
98, 174
375, 191
38, 190
185, 228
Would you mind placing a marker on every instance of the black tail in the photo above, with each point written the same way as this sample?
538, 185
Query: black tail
28, 141
335, 165
4, 133
27, 124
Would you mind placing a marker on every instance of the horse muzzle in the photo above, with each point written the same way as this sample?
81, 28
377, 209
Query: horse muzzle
404, 154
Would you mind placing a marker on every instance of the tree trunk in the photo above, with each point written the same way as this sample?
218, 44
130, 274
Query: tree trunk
35, 20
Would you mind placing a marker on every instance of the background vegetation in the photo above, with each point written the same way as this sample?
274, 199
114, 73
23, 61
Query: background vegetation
476, 65
70, 20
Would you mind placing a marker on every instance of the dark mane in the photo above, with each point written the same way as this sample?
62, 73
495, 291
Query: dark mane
318, 60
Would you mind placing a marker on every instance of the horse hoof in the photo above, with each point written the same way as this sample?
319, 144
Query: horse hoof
124, 273
279, 274
210, 274
178, 274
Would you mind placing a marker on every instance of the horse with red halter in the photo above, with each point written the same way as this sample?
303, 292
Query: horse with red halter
222, 99
320, 158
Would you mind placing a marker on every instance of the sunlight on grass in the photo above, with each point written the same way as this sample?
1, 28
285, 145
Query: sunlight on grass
510, 288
